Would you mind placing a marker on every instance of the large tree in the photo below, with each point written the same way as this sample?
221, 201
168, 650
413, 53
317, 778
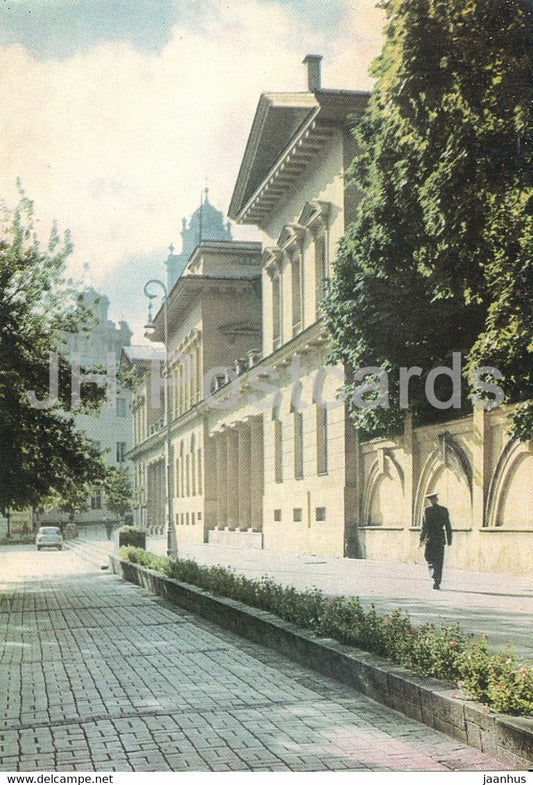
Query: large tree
41, 451
438, 259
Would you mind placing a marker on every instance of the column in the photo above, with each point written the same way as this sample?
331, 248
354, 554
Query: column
232, 488
480, 480
210, 473
221, 480
257, 472
150, 495
244, 475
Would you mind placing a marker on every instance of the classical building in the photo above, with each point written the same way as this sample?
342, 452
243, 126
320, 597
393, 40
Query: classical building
214, 322
265, 453
147, 422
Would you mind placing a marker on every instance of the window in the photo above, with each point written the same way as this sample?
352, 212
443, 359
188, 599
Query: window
96, 499
321, 271
296, 276
278, 451
121, 452
276, 312
320, 514
182, 470
321, 440
297, 515
121, 407
199, 477
198, 365
277, 515
193, 466
298, 446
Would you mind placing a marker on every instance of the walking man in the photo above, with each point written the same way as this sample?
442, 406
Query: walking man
436, 530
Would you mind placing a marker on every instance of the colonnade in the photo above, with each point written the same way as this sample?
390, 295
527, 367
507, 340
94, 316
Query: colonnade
239, 475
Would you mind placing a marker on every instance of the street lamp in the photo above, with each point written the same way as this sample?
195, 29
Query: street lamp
172, 549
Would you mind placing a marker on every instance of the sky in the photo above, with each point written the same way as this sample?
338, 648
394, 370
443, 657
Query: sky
115, 114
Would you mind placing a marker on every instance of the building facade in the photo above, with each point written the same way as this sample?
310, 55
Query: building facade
214, 323
282, 465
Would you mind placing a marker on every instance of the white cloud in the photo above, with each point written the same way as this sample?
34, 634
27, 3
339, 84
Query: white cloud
116, 143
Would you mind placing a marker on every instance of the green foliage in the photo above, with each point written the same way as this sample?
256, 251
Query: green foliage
447, 653
41, 451
499, 680
438, 259
522, 422
118, 490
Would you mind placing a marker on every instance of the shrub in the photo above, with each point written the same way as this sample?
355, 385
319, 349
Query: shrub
127, 535
499, 680
447, 653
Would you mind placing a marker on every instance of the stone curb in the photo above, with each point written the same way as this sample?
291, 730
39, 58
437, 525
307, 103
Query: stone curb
509, 739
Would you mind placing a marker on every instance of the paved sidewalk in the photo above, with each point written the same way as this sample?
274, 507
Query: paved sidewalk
500, 606
97, 674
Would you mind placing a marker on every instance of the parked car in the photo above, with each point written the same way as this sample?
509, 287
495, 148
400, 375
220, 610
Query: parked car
49, 537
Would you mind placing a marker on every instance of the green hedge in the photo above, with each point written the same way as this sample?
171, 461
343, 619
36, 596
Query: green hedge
447, 653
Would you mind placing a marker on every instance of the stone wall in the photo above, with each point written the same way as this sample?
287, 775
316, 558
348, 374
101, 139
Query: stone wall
482, 476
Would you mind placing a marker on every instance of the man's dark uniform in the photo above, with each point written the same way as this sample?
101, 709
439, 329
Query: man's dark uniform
436, 530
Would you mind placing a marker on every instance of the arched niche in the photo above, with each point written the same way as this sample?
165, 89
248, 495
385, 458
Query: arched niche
447, 472
383, 499
509, 496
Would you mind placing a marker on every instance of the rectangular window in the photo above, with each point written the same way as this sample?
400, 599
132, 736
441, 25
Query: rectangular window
199, 478
320, 514
121, 452
193, 474
296, 277
298, 446
277, 515
321, 271
278, 451
276, 312
321, 439
297, 515
121, 407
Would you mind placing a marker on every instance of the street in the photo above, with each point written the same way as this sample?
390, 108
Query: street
96, 674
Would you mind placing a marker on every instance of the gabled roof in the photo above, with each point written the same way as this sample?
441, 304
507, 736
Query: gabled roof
287, 131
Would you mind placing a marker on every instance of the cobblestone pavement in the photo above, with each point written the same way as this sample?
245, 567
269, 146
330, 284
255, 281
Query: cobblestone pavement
97, 674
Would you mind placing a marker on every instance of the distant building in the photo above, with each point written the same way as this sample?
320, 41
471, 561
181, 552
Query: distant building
207, 223
147, 420
109, 428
